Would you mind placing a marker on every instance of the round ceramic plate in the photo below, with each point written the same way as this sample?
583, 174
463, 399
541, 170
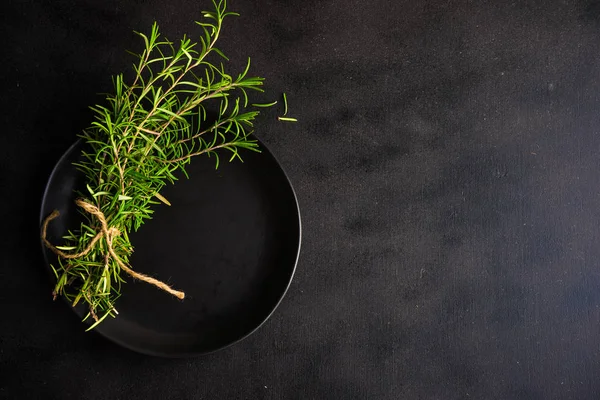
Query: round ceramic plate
230, 241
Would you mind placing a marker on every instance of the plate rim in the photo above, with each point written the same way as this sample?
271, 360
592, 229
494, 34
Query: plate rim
142, 350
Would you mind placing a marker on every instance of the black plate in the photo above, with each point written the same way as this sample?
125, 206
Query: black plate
230, 241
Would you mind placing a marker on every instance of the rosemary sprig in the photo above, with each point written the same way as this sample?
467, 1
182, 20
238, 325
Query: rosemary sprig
147, 132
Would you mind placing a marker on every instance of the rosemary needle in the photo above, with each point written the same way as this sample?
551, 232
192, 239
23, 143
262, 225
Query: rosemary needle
264, 105
285, 106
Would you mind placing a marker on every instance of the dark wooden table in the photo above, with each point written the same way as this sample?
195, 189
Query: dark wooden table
446, 161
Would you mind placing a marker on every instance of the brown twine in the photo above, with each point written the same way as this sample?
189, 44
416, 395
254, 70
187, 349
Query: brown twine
109, 234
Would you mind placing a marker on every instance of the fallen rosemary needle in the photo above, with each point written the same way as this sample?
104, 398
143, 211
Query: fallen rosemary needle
147, 131
285, 110
285, 107
264, 105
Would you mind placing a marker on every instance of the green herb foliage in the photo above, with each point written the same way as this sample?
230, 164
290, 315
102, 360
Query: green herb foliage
146, 132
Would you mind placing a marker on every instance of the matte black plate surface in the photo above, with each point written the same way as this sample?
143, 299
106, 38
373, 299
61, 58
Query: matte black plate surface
230, 241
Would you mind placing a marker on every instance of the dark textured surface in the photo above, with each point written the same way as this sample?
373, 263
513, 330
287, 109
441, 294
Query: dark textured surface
446, 164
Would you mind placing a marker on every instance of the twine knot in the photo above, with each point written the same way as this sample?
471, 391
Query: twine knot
109, 233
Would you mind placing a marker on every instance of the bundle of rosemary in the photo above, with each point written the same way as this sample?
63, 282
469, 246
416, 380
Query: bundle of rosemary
146, 132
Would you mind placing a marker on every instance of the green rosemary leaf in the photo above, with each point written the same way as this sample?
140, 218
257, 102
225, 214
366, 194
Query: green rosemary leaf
287, 119
89, 189
264, 104
98, 322
220, 53
54, 271
66, 247
161, 198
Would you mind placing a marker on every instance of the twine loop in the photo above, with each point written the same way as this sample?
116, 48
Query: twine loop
109, 233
